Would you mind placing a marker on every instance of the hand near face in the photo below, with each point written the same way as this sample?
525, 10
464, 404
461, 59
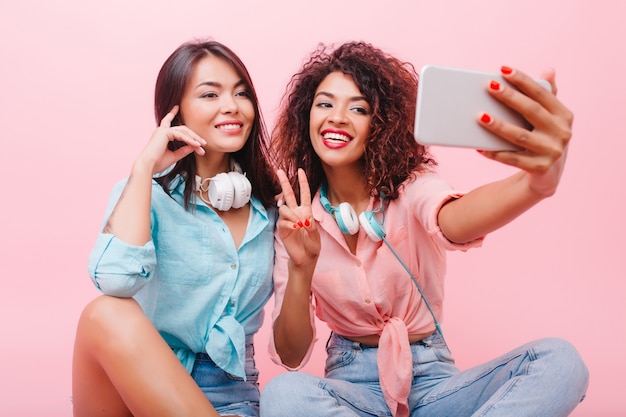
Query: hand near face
296, 226
157, 152
546, 145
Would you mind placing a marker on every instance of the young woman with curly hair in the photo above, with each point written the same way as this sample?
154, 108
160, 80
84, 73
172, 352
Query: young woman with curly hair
362, 236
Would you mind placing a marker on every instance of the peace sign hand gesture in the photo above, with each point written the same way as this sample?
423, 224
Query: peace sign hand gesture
296, 226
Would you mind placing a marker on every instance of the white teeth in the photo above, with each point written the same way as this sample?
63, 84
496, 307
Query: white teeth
229, 126
336, 136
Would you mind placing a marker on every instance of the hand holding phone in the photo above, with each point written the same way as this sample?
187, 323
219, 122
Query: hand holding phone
449, 102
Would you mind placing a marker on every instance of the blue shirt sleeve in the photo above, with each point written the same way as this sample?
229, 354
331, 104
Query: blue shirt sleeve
120, 269
116, 267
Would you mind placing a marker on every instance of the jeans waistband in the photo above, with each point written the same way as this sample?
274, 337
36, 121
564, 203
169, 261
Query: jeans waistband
249, 353
338, 340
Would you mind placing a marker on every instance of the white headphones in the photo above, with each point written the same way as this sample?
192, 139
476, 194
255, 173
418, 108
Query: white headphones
226, 189
347, 220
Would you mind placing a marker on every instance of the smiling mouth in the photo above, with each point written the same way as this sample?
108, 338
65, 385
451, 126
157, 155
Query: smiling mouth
230, 126
336, 137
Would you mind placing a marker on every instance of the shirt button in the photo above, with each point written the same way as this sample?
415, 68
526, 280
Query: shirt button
232, 303
367, 301
233, 266
358, 263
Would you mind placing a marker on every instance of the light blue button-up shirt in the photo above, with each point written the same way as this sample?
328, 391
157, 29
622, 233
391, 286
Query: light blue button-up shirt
201, 292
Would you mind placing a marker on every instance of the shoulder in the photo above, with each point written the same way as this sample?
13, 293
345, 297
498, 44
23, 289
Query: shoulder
424, 184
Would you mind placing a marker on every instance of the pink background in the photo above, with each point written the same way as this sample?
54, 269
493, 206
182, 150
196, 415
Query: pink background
76, 108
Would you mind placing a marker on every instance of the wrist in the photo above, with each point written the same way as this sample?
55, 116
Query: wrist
141, 167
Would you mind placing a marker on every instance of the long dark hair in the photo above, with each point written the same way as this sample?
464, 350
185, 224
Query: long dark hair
170, 87
389, 85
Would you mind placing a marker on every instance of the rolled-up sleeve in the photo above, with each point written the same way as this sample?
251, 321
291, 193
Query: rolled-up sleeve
116, 267
119, 269
427, 195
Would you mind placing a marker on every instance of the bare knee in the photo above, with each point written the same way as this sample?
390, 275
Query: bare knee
109, 319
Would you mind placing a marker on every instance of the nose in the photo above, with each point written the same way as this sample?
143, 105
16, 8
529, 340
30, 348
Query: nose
338, 115
228, 104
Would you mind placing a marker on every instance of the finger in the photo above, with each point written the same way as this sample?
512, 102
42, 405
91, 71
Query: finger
524, 161
528, 107
279, 200
166, 121
533, 142
288, 194
288, 222
305, 189
550, 76
184, 134
536, 92
182, 152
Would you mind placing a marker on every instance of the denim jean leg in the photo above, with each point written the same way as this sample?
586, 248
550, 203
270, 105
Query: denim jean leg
350, 389
229, 394
542, 378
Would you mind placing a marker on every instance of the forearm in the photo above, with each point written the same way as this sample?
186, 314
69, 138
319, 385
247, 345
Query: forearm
487, 208
293, 333
130, 219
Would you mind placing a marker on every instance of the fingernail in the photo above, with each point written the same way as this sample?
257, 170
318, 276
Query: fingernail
300, 224
279, 203
506, 70
479, 150
485, 118
295, 226
494, 85
307, 223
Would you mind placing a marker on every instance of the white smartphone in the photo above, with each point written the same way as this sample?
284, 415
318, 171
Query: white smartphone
449, 103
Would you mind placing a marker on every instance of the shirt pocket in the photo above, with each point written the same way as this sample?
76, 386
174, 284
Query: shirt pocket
258, 259
186, 255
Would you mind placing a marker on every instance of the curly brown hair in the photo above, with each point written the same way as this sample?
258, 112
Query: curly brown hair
389, 85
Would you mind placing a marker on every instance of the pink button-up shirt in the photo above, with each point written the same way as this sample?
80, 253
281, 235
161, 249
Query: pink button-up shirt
370, 292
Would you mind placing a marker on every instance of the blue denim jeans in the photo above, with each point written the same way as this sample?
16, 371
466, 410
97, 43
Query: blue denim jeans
546, 377
229, 394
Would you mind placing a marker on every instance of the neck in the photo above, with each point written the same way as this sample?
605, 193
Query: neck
348, 190
211, 165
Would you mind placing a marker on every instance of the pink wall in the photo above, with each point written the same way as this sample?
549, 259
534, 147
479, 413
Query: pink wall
76, 107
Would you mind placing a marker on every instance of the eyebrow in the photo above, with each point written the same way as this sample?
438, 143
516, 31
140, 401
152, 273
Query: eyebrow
218, 84
330, 95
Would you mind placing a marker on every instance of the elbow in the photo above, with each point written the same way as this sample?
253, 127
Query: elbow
119, 286
292, 348
459, 238
291, 361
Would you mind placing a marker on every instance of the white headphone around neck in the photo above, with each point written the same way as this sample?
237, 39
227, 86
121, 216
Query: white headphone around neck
347, 220
226, 189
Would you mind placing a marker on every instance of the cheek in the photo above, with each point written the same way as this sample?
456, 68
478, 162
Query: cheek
315, 122
248, 110
190, 113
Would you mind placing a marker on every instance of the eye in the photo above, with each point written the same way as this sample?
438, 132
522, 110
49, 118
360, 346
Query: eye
242, 93
324, 104
209, 94
361, 110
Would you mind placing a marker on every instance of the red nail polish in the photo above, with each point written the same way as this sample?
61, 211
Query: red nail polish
300, 223
494, 85
485, 118
506, 70
479, 150
307, 223
295, 226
